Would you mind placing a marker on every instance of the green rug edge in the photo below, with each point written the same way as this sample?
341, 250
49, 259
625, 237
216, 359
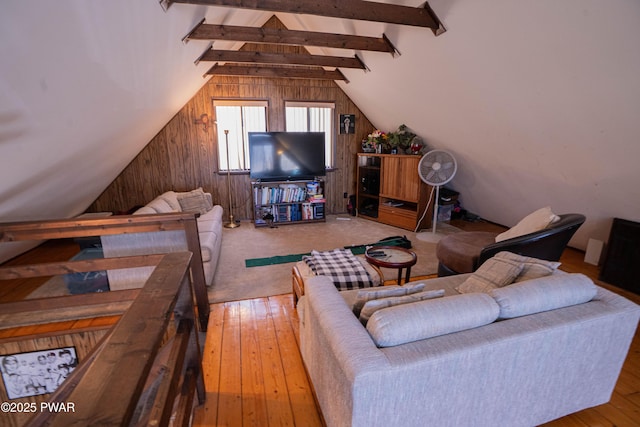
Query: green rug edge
284, 259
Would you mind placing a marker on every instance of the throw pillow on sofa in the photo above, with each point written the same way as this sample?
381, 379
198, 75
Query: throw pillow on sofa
374, 305
194, 201
532, 268
493, 273
384, 292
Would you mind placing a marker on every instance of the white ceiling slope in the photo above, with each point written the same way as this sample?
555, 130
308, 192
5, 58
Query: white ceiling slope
539, 100
84, 86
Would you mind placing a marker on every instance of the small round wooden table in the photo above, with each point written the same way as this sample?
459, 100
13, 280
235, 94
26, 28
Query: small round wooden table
392, 257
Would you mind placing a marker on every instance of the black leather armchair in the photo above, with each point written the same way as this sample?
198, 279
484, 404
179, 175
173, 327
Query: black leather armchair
466, 251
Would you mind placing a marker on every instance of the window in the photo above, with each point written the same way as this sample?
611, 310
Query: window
312, 117
239, 118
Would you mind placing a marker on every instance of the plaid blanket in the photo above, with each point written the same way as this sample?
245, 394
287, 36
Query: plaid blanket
341, 266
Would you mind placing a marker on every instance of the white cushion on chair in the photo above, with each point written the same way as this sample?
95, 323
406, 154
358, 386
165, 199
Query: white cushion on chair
535, 221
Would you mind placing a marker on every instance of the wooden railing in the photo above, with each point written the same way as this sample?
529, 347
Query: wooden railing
91, 227
136, 375
147, 367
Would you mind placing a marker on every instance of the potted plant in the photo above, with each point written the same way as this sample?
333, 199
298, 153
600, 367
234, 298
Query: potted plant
403, 141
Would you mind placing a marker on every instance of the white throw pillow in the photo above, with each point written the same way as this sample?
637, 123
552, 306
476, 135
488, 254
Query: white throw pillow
535, 221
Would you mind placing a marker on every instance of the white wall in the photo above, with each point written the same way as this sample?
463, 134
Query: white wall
538, 100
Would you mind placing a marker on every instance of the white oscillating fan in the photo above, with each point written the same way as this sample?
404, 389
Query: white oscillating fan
436, 168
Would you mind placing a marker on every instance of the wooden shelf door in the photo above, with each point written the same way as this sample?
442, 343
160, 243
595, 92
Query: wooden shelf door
400, 179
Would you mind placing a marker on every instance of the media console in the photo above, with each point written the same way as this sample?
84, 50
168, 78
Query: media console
287, 202
390, 191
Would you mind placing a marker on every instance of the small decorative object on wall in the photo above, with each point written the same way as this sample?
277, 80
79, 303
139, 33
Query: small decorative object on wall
347, 123
36, 372
204, 121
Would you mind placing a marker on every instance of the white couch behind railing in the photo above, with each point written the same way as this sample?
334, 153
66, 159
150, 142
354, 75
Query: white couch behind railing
209, 223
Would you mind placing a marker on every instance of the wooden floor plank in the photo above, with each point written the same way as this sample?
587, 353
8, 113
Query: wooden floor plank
305, 411
254, 407
629, 383
51, 251
275, 384
569, 421
626, 406
230, 390
634, 398
207, 414
593, 418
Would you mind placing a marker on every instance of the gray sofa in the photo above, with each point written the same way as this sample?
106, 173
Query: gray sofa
454, 361
209, 230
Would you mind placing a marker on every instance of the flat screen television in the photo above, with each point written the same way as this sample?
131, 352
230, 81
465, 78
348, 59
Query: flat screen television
286, 156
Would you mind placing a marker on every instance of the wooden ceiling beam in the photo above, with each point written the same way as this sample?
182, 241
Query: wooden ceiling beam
204, 31
255, 57
276, 72
347, 9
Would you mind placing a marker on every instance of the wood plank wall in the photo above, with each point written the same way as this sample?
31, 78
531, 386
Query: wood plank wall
183, 156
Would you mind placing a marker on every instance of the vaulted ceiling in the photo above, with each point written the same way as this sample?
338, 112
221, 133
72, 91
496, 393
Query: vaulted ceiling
538, 100
288, 62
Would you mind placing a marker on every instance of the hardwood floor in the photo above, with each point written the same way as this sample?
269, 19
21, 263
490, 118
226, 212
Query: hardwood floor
49, 251
254, 375
243, 383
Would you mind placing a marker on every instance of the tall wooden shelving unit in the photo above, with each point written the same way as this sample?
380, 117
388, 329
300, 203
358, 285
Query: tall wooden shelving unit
391, 192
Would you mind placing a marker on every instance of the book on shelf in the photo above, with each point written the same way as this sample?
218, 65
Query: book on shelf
265, 195
307, 211
318, 198
287, 213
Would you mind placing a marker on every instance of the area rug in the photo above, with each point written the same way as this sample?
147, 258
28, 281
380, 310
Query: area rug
234, 281
284, 259
272, 260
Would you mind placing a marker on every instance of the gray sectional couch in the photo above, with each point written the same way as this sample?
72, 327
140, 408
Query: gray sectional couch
209, 229
530, 353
